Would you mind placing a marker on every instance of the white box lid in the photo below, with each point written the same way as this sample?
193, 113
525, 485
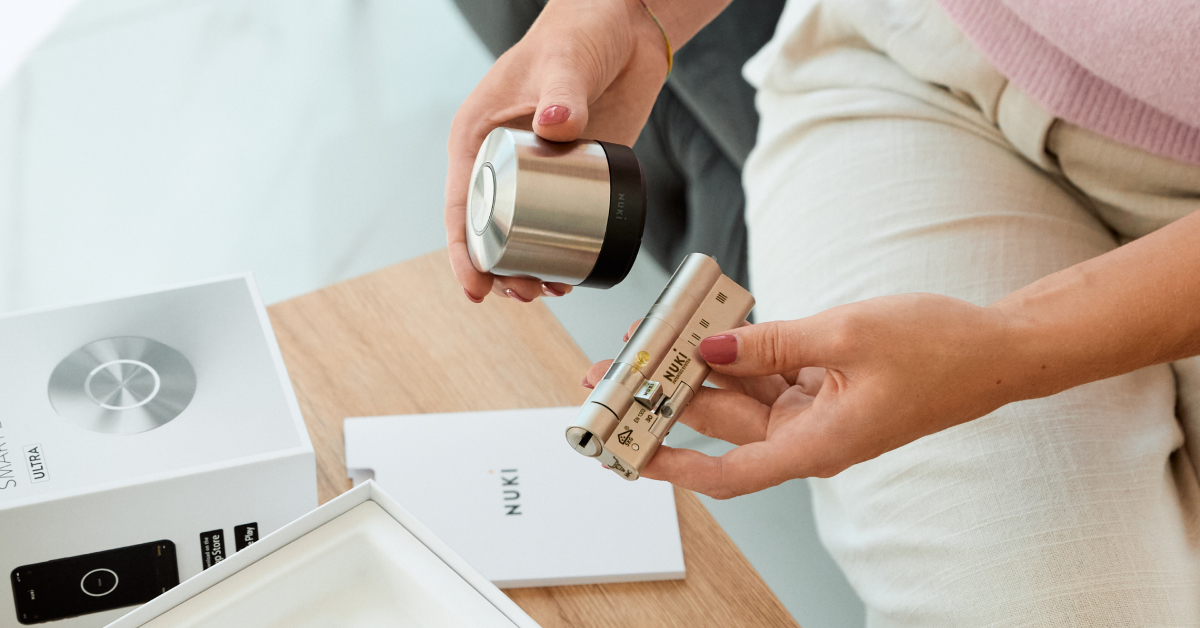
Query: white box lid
359, 560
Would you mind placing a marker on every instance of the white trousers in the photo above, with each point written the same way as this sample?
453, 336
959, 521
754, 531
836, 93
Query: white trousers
893, 158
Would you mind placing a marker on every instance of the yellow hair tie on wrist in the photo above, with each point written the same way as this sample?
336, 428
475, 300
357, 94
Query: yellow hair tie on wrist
670, 51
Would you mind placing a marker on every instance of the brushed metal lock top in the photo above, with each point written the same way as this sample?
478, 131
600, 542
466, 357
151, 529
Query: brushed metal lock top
483, 198
563, 212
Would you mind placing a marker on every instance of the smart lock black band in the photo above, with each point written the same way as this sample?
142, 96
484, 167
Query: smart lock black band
626, 218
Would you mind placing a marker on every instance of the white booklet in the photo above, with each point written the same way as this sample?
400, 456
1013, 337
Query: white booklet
505, 491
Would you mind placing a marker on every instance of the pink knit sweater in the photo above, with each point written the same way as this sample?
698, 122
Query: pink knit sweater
1127, 69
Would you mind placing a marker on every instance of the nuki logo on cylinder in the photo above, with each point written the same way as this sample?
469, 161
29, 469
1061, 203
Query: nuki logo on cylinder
676, 367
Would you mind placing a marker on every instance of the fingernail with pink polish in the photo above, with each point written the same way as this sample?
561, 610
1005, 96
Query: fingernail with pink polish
551, 292
473, 299
586, 384
513, 293
554, 114
719, 349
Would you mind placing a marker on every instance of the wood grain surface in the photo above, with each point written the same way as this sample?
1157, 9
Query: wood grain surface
405, 340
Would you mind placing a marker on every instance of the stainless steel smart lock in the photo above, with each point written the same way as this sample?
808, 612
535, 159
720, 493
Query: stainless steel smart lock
562, 212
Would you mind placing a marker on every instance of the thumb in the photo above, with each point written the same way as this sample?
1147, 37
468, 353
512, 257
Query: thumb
562, 111
769, 348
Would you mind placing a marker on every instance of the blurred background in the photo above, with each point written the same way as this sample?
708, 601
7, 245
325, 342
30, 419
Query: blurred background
147, 143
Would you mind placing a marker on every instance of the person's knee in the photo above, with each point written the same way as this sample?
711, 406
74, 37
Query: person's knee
1059, 503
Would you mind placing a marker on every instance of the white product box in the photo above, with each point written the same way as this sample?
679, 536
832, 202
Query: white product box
359, 560
142, 440
506, 491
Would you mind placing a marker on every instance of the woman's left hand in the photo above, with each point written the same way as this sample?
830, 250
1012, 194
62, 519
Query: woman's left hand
812, 397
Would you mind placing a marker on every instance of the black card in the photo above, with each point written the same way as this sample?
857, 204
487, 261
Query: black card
244, 535
212, 547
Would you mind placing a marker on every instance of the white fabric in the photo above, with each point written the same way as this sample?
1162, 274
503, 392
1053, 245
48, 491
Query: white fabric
892, 158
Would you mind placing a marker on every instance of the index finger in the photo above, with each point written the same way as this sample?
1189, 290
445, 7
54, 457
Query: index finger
746, 469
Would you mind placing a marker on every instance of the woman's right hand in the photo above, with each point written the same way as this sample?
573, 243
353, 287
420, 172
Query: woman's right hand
586, 68
814, 396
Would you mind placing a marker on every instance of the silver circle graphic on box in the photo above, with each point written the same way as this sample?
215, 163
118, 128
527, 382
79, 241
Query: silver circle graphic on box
122, 385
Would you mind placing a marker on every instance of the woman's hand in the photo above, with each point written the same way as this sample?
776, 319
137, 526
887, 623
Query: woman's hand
586, 68
814, 396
